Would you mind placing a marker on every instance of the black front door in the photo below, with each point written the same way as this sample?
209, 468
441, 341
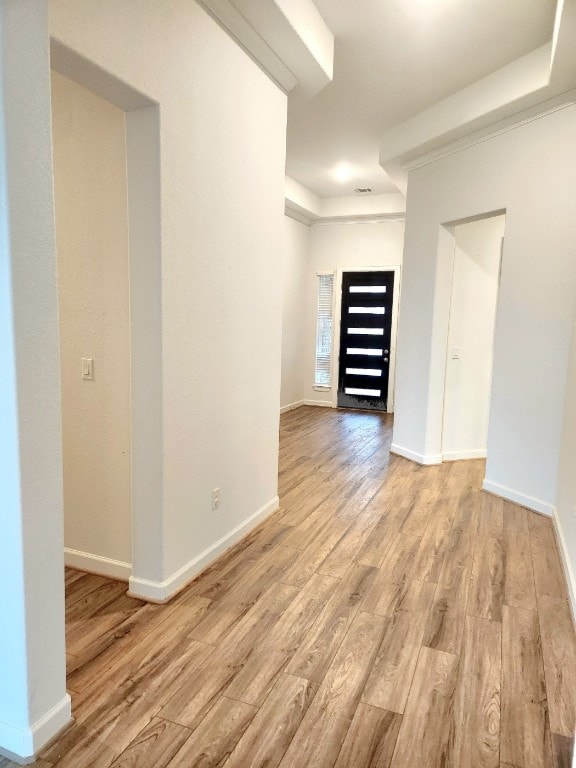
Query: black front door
365, 335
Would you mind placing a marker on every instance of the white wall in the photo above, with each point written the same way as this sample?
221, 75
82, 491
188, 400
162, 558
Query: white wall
528, 172
341, 246
34, 704
222, 147
566, 493
471, 331
90, 188
296, 258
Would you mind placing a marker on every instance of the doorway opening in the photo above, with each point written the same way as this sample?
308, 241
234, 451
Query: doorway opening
476, 266
365, 337
116, 300
92, 239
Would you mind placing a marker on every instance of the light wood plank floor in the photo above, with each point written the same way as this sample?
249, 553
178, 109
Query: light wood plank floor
387, 615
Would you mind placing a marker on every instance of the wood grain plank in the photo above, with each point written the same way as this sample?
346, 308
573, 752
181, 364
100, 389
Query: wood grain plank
445, 626
93, 602
214, 739
218, 620
389, 682
476, 720
270, 733
311, 558
87, 640
519, 590
371, 739
271, 566
117, 714
486, 596
304, 499
154, 747
491, 516
419, 514
216, 580
395, 571
147, 632
256, 678
425, 732
320, 644
435, 541
80, 588
344, 553
71, 574
194, 698
524, 735
346, 500
548, 574
559, 655
222, 614
321, 733
360, 500
383, 534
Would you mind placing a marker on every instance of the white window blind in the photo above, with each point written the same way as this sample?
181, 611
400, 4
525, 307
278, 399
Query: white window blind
324, 330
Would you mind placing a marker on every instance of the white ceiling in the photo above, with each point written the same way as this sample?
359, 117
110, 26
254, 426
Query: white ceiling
393, 59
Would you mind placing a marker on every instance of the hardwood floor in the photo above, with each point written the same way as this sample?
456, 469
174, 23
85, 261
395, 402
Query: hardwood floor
388, 615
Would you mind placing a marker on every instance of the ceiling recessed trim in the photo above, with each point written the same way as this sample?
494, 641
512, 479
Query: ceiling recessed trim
528, 116
542, 80
291, 43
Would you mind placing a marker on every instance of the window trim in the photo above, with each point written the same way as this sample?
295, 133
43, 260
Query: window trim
322, 386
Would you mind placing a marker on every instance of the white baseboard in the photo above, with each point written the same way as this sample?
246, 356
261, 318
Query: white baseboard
21, 745
162, 591
478, 453
292, 406
568, 570
319, 403
419, 458
537, 505
103, 566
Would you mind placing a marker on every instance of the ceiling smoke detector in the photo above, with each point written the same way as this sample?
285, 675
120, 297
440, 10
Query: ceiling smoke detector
363, 190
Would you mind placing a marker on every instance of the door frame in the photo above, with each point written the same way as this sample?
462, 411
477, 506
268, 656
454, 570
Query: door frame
337, 310
142, 115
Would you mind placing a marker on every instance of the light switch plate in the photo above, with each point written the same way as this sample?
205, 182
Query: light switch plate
88, 368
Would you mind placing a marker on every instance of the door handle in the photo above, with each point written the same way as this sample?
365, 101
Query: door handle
385, 359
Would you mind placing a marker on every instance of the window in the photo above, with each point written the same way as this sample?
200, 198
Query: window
324, 330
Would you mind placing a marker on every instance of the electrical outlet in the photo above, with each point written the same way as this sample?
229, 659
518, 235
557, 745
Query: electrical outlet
215, 498
455, 353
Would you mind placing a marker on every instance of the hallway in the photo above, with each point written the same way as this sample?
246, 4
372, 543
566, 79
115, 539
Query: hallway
387, 615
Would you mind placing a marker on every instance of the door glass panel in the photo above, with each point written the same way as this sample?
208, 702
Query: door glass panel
367, 289
364, 371
367, 331
363, 351
358, 391
366, 310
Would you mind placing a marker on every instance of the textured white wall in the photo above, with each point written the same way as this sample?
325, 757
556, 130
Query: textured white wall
222, 148
471, 329
536, 299
34, 704
566, 492
296, 258
89, 138
334, 246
